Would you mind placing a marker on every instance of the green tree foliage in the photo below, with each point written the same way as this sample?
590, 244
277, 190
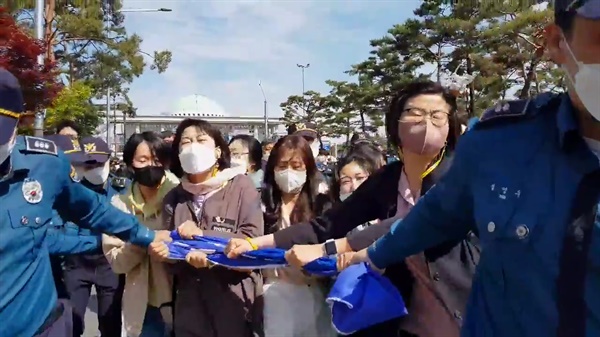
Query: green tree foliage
90, 43
73, 103
499, 43
311, 107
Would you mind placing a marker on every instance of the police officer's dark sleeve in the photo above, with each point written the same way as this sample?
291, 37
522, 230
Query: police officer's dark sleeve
443, 214
79, 204
336, 222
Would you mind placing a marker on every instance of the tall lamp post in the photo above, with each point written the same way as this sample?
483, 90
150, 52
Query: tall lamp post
38, 125
303, 67
108, 17
264, 110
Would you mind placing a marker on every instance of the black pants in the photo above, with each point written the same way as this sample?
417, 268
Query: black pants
389, 328
80, 275
57, 273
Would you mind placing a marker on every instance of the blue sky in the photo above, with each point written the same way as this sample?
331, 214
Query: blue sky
223, 48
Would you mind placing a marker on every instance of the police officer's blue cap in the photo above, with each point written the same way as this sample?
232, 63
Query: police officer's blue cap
96, 150
11, 105
70, 146
589, 9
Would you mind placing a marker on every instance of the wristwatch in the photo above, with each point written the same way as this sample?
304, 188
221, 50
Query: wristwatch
329, 247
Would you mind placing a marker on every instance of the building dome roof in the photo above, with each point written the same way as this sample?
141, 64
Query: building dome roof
198, 106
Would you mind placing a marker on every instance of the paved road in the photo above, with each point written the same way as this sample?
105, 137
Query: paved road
91, 318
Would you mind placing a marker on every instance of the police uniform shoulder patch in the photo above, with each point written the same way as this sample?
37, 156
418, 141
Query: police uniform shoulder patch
505, 109
40, 145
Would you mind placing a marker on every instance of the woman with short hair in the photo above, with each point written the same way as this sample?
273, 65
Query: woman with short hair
247, 152
214, 200
147, 295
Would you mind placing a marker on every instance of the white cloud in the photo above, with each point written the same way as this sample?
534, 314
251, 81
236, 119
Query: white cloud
222, 49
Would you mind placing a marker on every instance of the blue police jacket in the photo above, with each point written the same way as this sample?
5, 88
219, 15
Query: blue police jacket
42, 179
66, 238
60, 242
106, 192
516, 177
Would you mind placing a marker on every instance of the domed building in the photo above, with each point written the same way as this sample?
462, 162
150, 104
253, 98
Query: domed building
194, 106
197, 106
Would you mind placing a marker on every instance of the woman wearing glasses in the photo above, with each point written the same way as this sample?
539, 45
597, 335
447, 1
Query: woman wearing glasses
246, 151
422, 125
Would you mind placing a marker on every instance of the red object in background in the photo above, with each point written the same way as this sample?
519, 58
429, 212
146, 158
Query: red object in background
18, 54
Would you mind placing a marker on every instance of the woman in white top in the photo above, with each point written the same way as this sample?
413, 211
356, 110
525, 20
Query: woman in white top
148, 287
294, 301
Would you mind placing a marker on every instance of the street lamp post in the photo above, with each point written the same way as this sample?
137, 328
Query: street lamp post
264, 110
38, 125
303, 67
108, 88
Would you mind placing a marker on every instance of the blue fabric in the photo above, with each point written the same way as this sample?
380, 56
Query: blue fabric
361, 297
263, 258
514, 181
358, 299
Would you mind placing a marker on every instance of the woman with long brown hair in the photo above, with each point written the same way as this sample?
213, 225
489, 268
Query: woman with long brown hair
294, 302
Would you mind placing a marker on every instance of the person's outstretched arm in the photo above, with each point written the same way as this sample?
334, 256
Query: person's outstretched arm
443, 214
86, 208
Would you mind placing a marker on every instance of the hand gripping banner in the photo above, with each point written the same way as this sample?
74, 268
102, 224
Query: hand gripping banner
359, 298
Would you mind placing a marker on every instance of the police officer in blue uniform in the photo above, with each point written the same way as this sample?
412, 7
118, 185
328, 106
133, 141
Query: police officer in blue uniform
35, 178
84, 271
58, 240
527, 178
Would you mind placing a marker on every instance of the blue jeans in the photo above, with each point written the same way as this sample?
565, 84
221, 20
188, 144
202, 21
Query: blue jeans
154, 325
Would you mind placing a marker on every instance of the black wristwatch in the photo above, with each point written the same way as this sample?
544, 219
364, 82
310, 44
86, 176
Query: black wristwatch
329, 247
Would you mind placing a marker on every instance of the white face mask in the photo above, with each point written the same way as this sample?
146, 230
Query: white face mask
98, 175
314, 147
197, 158
586, 84
290, 181
238, 162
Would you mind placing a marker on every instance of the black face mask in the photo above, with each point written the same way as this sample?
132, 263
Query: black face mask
149, 176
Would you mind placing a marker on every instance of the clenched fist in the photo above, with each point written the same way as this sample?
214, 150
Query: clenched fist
237, 247
197, 259
159, 251
188, 230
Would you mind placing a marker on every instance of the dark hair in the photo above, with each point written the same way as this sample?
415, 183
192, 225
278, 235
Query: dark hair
306, 205
254, 150
368, 149
223, 162
266, 142
565, 19
67, 124
158, 147
365, 160
414, 89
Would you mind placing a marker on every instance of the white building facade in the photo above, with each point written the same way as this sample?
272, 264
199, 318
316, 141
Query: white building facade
121, 127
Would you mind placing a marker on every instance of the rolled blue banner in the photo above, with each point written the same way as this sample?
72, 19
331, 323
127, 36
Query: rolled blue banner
359, 298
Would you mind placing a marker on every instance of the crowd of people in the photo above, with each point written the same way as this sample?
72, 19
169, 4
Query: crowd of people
484, 230
194, 182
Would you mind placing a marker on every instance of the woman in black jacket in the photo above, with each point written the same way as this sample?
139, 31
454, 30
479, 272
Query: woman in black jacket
423, 125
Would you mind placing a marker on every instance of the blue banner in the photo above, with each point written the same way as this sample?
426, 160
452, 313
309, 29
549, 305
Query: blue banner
359, 298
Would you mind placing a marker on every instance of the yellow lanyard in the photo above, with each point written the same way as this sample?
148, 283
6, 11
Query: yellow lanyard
435, 165
430, 168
